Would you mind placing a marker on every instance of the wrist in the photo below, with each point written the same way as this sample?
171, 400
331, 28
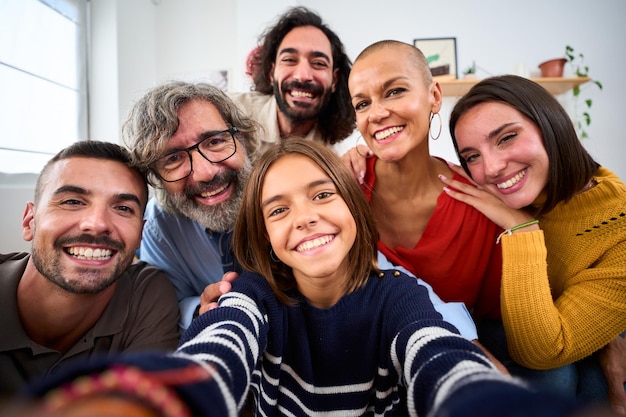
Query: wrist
526, 226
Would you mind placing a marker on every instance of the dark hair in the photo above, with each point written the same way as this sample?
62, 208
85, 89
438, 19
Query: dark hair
570, 165
106, 151
250, 243
337, 119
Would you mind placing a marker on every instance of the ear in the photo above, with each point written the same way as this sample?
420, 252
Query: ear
437, 97
272, 74
28, 222
335, 78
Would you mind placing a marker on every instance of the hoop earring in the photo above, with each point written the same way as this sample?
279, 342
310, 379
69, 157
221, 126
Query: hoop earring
273, 256
356, 146
430, 123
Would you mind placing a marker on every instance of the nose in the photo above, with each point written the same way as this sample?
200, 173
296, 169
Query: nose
377, 112
202, 170
305, 217
493, 164
303, 71
95, 220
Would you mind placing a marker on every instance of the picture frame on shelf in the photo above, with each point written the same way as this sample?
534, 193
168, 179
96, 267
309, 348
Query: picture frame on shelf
441, 56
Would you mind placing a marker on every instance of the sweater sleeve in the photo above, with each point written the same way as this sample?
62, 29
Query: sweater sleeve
543, 333
447, 375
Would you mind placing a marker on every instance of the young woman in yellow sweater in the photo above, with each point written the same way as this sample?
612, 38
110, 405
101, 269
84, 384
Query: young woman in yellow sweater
563, 294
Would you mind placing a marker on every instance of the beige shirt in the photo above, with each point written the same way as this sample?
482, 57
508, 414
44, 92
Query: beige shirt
263, 109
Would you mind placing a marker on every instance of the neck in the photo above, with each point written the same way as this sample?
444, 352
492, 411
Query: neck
290, 128
411, 175
53, 317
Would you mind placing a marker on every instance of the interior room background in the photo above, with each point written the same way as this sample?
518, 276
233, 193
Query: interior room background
136, 44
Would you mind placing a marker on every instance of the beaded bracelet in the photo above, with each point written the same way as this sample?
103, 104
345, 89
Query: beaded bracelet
152, 389
519, 226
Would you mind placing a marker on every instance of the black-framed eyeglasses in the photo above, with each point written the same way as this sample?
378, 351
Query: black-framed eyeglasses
216, 147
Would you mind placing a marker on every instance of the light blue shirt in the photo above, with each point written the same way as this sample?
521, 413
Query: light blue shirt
185, 251
455, 313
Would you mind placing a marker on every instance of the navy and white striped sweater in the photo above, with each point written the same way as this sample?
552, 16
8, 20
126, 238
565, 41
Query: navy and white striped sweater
355, 358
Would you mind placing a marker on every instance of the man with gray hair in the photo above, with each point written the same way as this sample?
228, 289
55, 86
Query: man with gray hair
198, 149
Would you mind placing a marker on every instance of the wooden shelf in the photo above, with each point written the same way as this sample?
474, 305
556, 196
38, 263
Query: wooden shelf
555, 85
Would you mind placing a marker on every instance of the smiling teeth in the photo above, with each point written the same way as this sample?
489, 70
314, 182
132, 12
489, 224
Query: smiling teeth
305, 94
214, 192
90, 253
315, 243
384, 134
511, 182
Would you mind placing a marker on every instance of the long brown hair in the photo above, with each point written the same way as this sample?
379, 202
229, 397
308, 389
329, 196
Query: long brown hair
250, 242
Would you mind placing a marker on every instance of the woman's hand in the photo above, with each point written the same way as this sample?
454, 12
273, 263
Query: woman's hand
487, 203
355, 159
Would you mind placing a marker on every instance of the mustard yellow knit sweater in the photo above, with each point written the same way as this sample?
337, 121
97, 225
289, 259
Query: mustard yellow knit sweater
562, 304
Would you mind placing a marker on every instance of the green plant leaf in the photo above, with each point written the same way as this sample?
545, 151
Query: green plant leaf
587, 118
576, 91
588, 102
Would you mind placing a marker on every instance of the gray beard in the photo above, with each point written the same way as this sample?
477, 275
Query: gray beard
219, 217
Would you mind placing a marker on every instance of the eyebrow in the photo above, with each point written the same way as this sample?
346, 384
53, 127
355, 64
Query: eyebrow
82, 191
202, 136
315, 54
313, 184
386, 84
495, 132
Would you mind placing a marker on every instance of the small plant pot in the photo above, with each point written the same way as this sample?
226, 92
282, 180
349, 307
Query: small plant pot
552, 67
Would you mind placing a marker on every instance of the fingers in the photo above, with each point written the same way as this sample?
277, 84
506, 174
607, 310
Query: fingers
452, 185
206, 307
355, 158
230, 276
459, 170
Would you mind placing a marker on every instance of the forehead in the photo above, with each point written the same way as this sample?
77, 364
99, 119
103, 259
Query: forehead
291, 172
305, 40
200, 114
98, 176
383, 64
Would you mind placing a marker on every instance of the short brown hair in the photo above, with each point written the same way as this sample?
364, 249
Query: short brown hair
250, 242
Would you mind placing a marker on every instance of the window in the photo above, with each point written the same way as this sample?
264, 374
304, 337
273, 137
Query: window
43, 85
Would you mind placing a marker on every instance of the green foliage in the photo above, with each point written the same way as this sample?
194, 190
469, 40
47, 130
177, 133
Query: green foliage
582, 118
471, 69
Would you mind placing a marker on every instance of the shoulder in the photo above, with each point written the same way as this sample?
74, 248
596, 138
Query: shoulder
609, 180
13, 256
161, 223
251, 99
150, 278
393, 284
250, 282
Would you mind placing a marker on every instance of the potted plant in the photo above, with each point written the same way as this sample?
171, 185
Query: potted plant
582, 118
470, 72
